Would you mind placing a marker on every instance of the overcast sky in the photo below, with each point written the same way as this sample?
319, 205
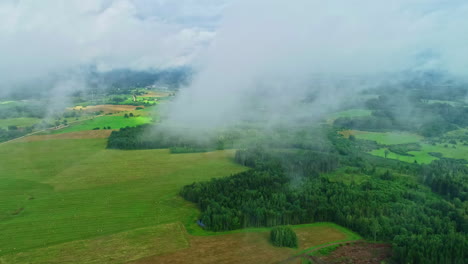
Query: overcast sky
42, 37
232, 41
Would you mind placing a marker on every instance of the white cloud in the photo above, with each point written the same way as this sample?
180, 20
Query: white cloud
43, 37
286, 49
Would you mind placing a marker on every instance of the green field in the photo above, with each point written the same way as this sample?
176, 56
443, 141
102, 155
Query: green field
421, 157
73, 201
114, 121
386, 138
457, 151
67, 190
19, 122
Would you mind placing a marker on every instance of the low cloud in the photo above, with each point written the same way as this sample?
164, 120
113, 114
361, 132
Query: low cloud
269, 56
40, 38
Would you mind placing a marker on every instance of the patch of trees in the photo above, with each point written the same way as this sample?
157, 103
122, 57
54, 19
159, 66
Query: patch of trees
151, 137
447, 177
13, 132
403, 149
283, 236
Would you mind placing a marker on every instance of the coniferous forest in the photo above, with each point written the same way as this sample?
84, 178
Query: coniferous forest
395, 203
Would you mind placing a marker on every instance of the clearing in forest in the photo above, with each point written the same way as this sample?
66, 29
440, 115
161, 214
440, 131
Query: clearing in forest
250, 245
385, 138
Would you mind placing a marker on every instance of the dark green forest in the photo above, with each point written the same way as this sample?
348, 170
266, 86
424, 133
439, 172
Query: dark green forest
394, 205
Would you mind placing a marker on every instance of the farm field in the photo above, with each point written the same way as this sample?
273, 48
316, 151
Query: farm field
73, 189
73, 201
386, 138
445, 149
252, 245
113, 121
108, 108
421, 157
19, 122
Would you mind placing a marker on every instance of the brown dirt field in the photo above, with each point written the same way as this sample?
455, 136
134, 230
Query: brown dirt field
244, 247
105, 108
233, 248
359, 253
155, 94
71, 135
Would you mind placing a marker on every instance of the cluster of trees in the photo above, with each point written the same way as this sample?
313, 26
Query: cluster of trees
283, 236
150, 137
13, 132
447, 177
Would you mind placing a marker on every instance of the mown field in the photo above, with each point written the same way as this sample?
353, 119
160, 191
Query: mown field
386, 138
66, 200
59, 191
114, 121
421, 157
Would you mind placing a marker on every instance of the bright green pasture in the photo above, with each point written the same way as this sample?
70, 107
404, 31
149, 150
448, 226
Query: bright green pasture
19, 122
421, 157
61, 193
114, 121
459, 152
388, 138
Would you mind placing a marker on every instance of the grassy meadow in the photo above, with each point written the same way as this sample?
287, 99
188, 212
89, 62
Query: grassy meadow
421, 157
385, 138
19, 122
447, 150
74, 189
113, 121
73, 201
